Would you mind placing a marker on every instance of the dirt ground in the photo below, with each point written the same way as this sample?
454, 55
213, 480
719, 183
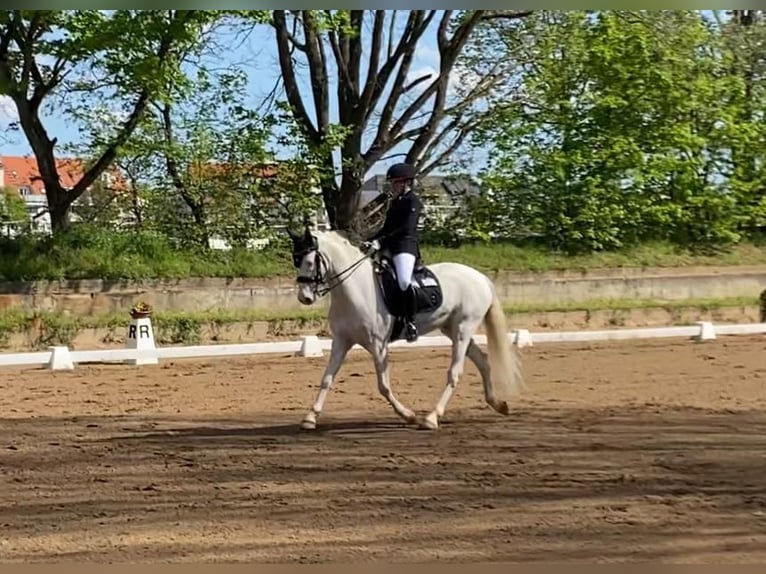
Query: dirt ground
639, 450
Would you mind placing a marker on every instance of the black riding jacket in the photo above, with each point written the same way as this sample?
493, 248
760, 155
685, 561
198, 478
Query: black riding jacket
400, 229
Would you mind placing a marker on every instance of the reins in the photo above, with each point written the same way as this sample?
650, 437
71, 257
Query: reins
318, 280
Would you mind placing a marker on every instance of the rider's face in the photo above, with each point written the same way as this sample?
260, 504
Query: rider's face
397, 187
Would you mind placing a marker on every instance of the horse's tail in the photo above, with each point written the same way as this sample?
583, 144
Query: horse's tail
505, 376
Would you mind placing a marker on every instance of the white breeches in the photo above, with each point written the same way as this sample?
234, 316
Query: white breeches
404, 264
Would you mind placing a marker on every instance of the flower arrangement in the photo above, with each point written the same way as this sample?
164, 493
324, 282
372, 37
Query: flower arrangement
140, 309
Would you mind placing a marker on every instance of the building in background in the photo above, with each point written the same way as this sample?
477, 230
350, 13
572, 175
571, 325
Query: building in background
21, 174
442, 195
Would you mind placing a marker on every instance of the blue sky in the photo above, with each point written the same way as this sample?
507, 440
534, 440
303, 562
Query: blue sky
256, 54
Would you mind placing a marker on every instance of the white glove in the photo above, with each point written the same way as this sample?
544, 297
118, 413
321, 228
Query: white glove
371, 246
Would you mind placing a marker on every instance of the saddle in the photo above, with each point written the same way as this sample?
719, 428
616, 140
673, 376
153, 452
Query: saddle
428, 290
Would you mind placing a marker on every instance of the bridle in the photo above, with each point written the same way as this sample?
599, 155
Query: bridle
320, 284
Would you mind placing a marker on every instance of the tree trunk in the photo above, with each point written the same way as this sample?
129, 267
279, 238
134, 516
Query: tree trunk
330, 199
202, 235
135, 199
137, 213
59, 199
348, 196
59, 207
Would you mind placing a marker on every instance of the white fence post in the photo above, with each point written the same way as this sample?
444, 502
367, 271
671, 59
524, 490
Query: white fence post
523, 338
61, 359
707, 331
311, 346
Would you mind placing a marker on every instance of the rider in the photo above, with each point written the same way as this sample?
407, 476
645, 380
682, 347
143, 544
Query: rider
400, 236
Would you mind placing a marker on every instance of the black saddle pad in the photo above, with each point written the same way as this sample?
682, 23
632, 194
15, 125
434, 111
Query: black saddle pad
427, 287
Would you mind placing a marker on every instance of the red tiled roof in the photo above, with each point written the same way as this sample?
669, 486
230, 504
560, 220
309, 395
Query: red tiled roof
22, 171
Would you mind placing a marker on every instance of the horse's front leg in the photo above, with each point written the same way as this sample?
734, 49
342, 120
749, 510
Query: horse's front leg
338, 351
380, 358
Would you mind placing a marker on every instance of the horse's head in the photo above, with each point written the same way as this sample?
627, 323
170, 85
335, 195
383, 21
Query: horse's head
310, 264
324, 260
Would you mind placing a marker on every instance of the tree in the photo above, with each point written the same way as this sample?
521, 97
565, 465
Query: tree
13, 210
205, 165
368, 62
69, 58
200, 155
743, 38
622, 136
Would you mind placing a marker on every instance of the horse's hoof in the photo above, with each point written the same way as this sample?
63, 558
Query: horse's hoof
308, 424
501, 407
431, 422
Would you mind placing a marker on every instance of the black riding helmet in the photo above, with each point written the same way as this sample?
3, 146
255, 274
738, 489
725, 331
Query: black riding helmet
401, 171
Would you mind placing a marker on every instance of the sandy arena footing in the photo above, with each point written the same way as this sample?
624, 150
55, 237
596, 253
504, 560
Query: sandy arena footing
636, 450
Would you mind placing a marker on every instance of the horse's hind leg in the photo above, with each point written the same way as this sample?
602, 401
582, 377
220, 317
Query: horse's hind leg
461, 339
338, 352
479, 358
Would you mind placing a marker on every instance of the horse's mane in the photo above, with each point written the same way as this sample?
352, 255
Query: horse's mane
338, 236
341, 239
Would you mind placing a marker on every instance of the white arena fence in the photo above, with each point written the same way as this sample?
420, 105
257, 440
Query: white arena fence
61, 357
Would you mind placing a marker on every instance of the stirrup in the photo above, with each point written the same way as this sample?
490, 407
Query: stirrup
411, 331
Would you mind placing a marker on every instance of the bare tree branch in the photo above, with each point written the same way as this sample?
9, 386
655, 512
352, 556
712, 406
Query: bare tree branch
449, 50
405, 51
459, 130
506, 14
391, 28
405, 109
341, 60
393, 155
290, 82
317, 71
172, 166
374, 61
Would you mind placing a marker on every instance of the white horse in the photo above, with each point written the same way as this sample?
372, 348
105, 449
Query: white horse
327, 262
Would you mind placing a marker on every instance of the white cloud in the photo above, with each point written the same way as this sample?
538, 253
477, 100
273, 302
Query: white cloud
8, 111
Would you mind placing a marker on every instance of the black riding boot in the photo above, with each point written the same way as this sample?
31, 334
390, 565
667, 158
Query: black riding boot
411, 306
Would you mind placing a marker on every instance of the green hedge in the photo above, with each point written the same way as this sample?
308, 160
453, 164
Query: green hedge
88, 254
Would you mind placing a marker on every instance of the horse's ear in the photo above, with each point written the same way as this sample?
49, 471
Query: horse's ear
307, 234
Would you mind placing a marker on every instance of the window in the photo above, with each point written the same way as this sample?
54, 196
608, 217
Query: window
24, 190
